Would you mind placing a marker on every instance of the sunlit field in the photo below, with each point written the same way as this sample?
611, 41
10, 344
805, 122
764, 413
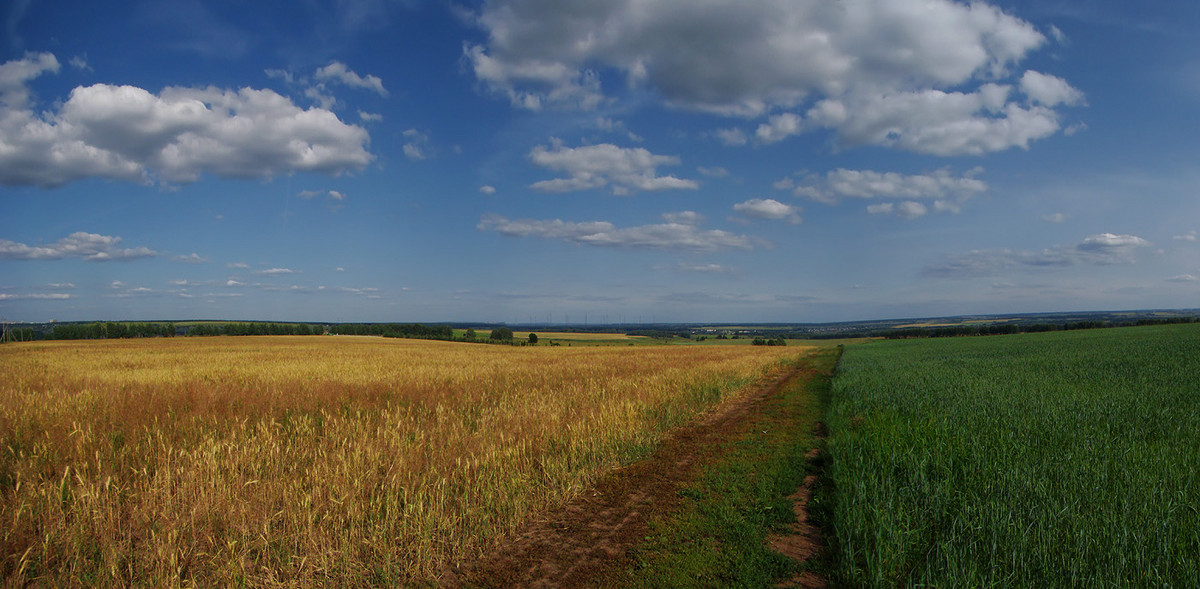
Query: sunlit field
301, 461
1065, 459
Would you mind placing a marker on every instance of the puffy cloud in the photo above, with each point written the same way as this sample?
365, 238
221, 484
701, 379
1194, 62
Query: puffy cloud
917, 75
487, 189
1107, 248
671, 235
92, 247
779, 127
767, 208
338, 72
1189, 236
275, 271
739, 58
843, 183
1054, 218
128, 133
14, 75
947, 191
416, 146
1101, 249
936, 122
1049, 90
714, 172
595, 166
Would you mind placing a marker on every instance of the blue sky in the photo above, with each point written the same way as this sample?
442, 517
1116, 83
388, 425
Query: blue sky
638, 160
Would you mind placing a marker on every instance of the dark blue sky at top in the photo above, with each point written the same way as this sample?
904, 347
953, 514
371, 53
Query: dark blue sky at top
517, 160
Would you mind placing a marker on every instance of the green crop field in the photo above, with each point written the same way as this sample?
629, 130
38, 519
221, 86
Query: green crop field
1064, 459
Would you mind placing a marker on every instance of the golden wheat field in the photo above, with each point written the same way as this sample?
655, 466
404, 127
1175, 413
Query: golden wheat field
316, 461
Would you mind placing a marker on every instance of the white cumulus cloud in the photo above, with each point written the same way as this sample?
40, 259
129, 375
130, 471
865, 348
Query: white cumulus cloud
768, 208
915, 70
736, 57
1049, 90
936, 122
416, 146
623, 169
905, 195
338, 72
92, 247
779, 127
128, 133
275, 271
671, 235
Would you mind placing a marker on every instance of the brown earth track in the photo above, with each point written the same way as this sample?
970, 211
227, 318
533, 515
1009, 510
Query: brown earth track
593, 534
804, 540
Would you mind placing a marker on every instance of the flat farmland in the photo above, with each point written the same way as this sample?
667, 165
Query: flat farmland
1065, 459
300, 461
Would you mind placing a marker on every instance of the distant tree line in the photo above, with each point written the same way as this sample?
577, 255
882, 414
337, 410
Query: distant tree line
124, 330
406, 330
1010, 328
110, 330
254, 328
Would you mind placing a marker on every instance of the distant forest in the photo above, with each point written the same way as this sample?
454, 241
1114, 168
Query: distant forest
772, 334
1008, 328
123, 330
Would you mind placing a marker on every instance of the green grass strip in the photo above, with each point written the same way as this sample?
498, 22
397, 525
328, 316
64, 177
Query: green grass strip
718, 537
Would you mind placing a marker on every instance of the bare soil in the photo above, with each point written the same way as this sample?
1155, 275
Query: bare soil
803, 541
593, 535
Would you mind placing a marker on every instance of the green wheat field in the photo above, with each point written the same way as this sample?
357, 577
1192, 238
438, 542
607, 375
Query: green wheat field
1038, 460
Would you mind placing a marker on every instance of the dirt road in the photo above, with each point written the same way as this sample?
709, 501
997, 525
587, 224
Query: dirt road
592, 535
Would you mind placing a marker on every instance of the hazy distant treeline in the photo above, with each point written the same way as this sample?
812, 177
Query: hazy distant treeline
115, 330
255, 328
1008, 328
122, 330
110, 330
409, 330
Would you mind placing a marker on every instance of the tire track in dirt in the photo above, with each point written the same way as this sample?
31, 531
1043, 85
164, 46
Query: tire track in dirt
594, 533
804, 541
